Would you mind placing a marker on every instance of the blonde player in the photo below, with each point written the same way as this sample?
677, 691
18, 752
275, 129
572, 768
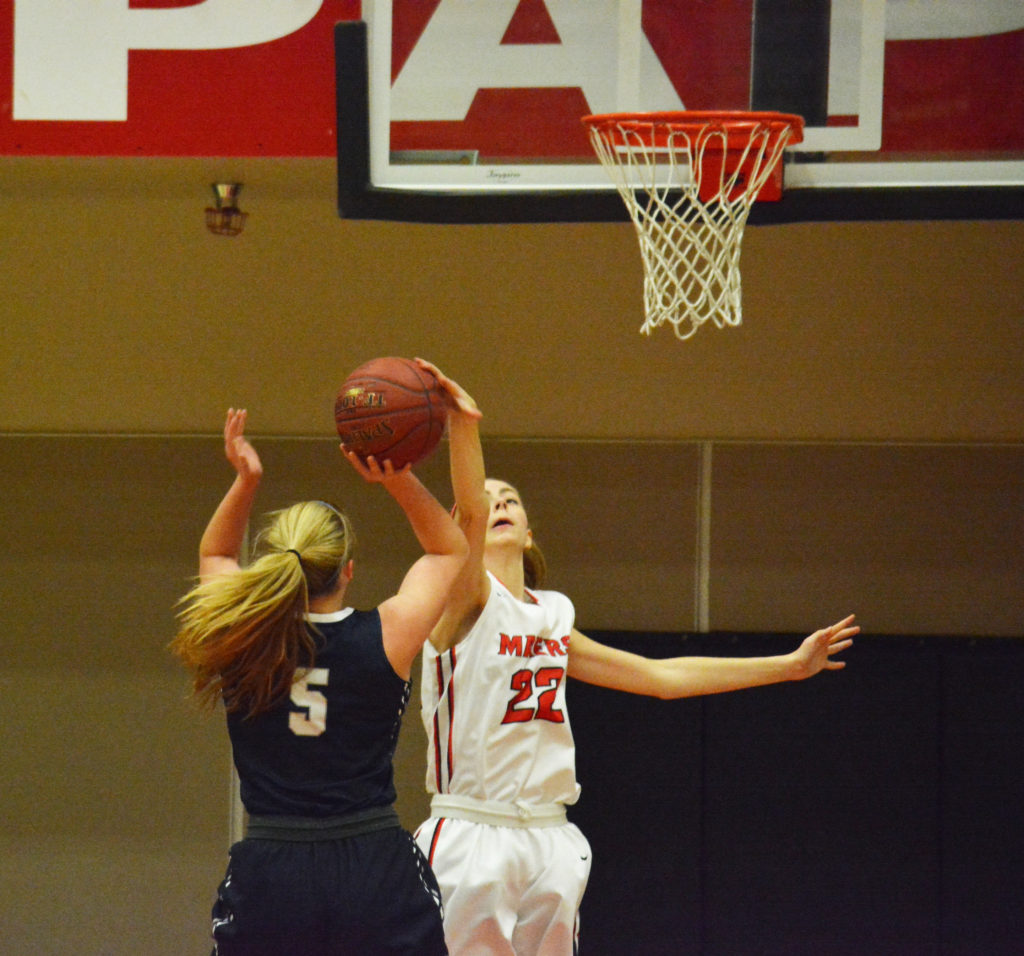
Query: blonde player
314, 692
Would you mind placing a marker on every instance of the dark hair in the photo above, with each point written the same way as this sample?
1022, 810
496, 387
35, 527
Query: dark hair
535, 568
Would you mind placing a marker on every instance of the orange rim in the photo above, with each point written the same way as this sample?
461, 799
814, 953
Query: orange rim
736, 124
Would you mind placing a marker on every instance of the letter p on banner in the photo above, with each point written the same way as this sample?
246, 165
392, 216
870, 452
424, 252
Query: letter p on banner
71, 59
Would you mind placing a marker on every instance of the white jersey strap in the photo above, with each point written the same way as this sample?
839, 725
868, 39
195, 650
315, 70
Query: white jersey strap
497, 814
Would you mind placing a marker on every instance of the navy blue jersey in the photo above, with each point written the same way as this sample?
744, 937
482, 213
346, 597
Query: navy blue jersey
327, 750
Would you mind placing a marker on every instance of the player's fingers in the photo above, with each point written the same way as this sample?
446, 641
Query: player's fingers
355, 460
457, 393
389, 470
379, 470
430, 367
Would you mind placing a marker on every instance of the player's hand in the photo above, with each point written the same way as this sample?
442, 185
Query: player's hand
237, 449
816, 652
461, 399
371, 470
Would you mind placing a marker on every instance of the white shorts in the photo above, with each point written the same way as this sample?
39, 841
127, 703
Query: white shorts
506, 889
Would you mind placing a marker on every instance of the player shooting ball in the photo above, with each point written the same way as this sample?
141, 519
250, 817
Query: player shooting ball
314, 692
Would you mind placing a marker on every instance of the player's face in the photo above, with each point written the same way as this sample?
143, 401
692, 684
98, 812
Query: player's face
508, 519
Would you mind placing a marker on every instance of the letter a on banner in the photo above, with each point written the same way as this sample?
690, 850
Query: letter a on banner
461, 52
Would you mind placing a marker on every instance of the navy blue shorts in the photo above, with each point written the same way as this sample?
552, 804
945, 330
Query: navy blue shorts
368, 894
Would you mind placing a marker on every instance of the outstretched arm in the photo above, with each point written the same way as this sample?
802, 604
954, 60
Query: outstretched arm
674, 677
220, 547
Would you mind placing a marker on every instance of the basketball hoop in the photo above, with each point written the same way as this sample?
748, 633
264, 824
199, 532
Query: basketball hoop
688, 180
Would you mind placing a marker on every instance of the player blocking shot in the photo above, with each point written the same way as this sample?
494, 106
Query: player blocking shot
314, 692
501, 758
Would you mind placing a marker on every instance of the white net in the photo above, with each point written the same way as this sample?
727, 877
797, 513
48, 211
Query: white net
688, 181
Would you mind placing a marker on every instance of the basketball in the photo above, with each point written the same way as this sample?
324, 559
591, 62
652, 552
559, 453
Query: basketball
392, 409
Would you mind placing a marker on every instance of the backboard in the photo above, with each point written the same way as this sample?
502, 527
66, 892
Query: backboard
469, 111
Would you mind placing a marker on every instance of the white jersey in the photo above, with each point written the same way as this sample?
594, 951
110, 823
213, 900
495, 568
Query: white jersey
494, 704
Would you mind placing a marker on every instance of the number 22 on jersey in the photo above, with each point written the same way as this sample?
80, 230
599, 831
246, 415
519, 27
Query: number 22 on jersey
534, 694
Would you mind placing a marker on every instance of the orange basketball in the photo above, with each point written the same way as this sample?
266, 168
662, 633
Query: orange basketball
392, 409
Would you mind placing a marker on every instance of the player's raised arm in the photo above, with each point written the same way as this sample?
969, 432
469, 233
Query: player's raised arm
220, 547
409, 616
472, 511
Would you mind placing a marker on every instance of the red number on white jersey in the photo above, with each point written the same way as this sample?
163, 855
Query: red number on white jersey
535, 695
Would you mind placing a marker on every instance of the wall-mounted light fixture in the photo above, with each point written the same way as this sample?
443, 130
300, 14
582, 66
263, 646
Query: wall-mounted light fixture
225, 218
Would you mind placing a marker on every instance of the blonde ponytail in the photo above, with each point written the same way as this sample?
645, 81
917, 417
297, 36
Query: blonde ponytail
243, 635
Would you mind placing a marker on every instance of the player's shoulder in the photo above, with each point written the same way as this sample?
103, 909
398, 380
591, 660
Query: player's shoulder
347, 626
551, 599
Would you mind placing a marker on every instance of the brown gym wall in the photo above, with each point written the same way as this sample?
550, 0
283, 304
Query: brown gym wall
861, 436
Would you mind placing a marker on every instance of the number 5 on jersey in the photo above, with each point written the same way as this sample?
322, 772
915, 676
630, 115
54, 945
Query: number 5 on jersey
313, 720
